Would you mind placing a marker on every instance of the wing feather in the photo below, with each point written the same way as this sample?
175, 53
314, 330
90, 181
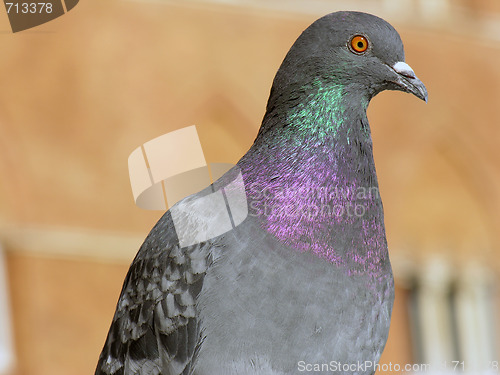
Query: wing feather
155, 328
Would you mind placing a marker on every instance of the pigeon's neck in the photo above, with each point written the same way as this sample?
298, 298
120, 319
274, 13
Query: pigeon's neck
315, 131
315, 109
311, 178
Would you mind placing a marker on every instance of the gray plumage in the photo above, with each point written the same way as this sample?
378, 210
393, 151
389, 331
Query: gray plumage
284, 290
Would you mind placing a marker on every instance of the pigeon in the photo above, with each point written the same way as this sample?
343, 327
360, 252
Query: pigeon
301, 282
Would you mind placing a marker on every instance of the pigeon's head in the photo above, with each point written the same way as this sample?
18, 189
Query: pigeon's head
355, 50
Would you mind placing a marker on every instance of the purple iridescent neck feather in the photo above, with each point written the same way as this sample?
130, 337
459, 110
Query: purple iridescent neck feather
311, 181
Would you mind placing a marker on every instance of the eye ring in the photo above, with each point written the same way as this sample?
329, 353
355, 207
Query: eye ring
358, 44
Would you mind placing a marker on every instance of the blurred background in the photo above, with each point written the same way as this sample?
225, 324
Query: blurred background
80, 93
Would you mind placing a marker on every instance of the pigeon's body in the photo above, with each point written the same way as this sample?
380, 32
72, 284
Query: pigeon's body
304, 283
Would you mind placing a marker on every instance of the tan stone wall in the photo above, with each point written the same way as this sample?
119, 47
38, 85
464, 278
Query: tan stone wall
80, 93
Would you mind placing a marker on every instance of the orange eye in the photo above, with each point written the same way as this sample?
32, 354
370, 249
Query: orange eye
359, 44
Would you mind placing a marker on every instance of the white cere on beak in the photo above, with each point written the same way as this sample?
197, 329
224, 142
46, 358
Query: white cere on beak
404, 69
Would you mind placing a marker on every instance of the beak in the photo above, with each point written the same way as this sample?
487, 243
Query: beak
406, 80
